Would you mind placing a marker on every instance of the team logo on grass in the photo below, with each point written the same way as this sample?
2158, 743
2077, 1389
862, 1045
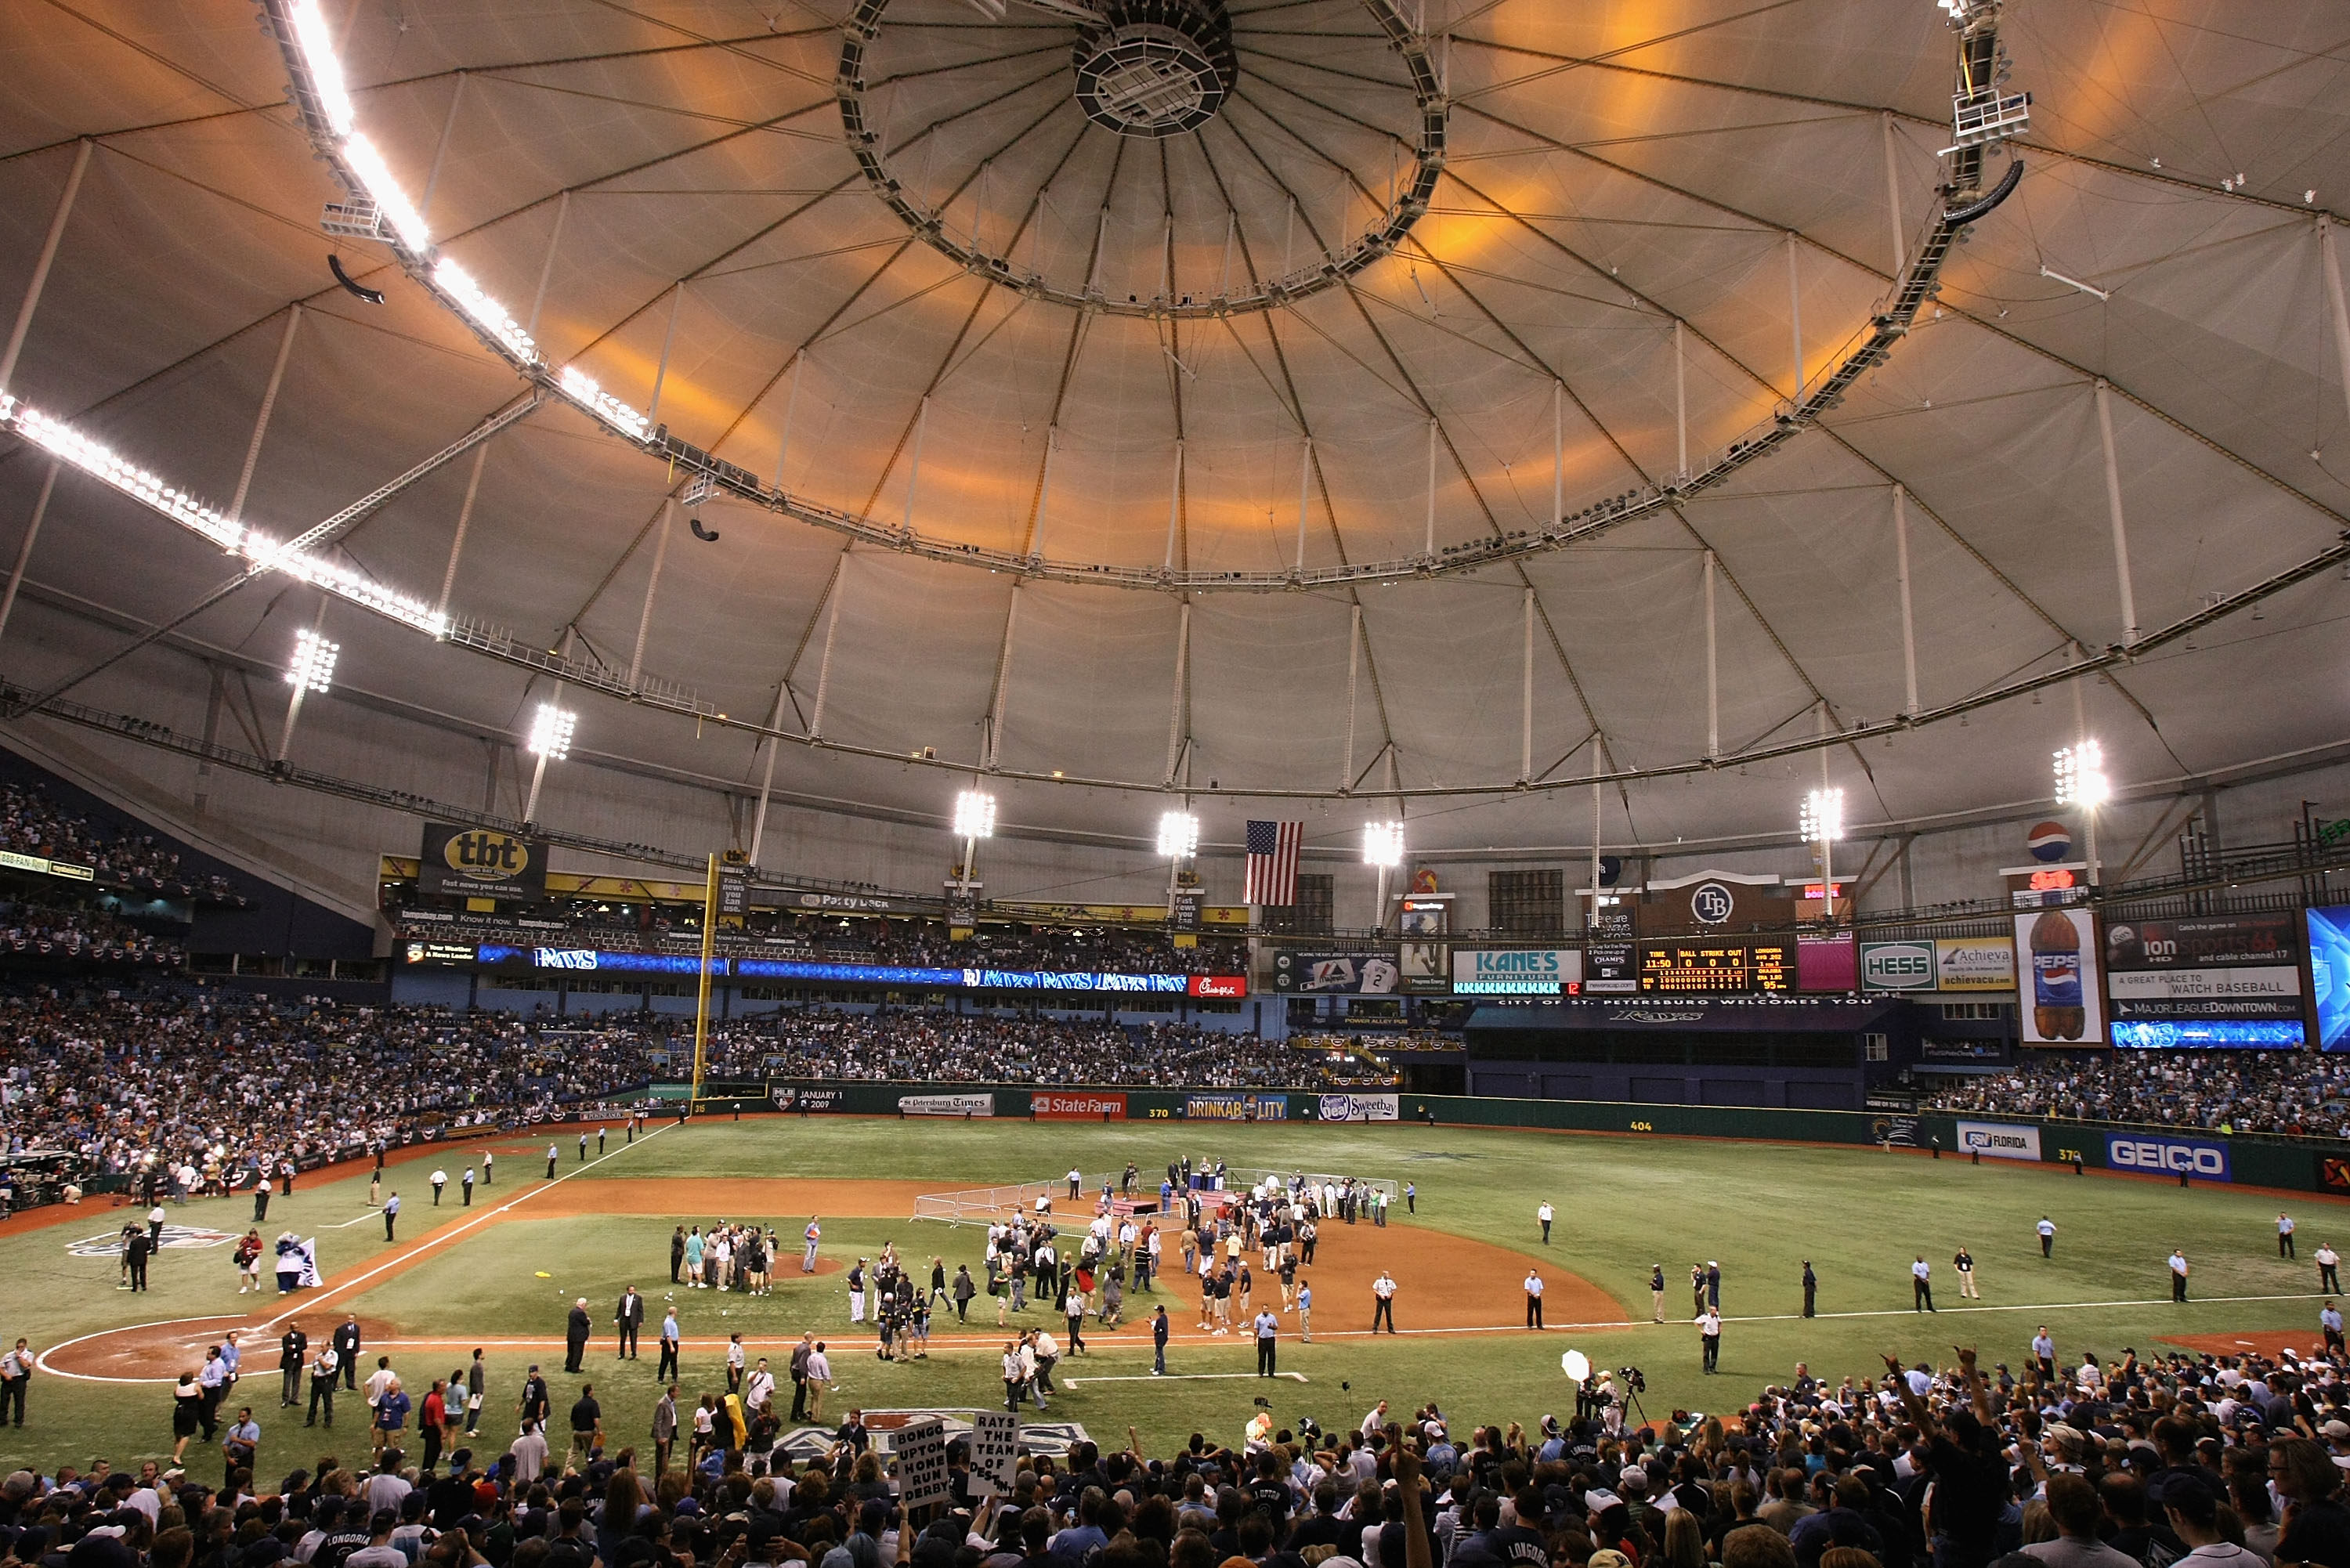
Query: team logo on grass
110, 1244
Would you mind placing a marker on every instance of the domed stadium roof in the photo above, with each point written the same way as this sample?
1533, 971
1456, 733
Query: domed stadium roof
1321, 398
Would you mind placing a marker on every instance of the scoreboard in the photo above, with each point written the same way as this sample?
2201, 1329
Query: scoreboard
1718, 966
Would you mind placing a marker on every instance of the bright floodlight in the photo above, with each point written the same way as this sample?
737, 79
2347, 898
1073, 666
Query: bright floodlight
1821, 821
974, 816
2081, 775
550, 733
1383, 844
1179, 836
312, 668
317, 45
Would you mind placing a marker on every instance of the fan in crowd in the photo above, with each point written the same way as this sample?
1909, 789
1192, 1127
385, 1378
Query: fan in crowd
2231, 1461
2237, 1091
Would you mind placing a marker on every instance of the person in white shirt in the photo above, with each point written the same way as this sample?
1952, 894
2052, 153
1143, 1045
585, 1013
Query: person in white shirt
1545, 1215
1921, 1285
2284, 1237
440, 1180
2328, 1261
386, 1489
761, 1390
1533, 1299
530, 1454
2178, 1276
1376, 1421
819, 1378
2047, 1230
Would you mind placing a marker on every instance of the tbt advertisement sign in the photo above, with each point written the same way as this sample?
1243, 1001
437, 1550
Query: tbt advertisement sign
1055, 1106
481, 863
2000, 1140
2061, 1004
2218, 981
2168, 1156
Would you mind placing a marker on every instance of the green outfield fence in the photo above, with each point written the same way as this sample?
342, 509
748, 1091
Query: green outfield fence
2252, 1159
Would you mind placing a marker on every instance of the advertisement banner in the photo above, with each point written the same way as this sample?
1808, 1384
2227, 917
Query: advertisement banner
787, 1099
1358, 1107
2329, 974
1364, 974
438, 952
1219, 985
1237, 1107
1894, 1132
2064, 1005
1516, 971
2168, 1156
1897, 966
481, 863
1057, 1105
2000, 1140
1961, 1050
946, 1105
2230, 982
1827, 964
1974, 964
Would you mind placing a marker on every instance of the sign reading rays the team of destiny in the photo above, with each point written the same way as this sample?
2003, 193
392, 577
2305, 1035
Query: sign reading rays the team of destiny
481, 862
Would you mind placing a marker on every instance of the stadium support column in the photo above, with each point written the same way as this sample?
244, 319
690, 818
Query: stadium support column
702, 985
767, 779
2114, 511
1305, 474
2333, 293
669, 341
41, 266
1680, 399
465, 522
1908, 623
1893, 196
1795, 314
1527, 697
1713, 669
261, 421
24, 547
547, 267
652, 586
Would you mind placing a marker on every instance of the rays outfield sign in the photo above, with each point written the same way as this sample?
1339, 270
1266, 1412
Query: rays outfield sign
481, 862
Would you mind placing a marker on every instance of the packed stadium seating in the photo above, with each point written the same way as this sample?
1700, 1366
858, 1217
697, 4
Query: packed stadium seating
33, 823
2242, 1091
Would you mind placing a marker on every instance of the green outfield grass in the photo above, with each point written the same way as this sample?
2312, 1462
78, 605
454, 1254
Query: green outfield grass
1623, 1203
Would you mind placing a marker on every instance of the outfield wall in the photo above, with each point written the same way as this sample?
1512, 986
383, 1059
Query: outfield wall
2295, 1164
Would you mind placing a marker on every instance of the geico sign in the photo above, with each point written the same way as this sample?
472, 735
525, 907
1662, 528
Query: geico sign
2204, 1159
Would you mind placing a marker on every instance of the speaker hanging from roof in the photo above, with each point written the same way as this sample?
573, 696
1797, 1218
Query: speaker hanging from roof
1155, 68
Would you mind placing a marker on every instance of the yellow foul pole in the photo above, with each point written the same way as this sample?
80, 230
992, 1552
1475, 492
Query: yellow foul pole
701, 990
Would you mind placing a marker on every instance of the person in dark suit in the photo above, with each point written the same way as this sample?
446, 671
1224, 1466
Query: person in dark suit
135, 1251
346, 1352
574, 1336
1811, 1290
293, 1350
630, 1317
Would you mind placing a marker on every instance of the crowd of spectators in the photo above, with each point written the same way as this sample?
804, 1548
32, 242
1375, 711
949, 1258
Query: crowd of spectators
32, 823
922, 943
2226, 1091
936, 1045
73, 933
230, 1083
2081, 1462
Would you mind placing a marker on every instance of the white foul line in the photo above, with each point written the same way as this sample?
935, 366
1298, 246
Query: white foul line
309, 1299
1180, 1378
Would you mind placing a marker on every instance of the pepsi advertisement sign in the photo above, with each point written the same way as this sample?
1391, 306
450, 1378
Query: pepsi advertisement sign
2169, 1157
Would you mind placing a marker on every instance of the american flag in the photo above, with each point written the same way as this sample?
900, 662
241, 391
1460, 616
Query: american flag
1273, 849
